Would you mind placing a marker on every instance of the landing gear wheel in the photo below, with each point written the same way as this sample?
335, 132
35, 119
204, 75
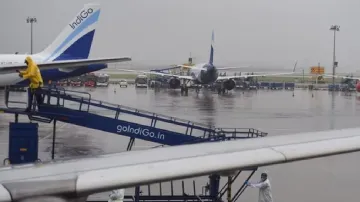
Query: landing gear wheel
184, 89
221, 91
6, 161
197, 89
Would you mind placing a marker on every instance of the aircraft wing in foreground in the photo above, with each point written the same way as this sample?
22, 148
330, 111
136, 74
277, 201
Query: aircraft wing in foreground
62, 64
78, 178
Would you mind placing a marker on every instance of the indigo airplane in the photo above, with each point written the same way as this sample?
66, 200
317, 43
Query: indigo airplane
67, 56
205, 74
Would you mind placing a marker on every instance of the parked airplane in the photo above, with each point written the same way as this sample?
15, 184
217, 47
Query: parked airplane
204, 74
67, 56
76, 179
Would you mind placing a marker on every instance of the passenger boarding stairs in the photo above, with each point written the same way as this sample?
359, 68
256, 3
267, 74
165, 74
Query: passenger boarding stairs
79, 108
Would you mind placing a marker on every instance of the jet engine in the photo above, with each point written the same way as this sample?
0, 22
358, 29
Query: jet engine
229, 84
174, 83
358, 86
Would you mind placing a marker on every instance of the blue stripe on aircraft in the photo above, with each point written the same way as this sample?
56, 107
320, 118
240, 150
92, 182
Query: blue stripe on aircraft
211, 55
91, 20
79, 49
56, 74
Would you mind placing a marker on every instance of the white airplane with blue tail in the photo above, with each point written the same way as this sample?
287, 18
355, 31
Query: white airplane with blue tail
205, 74
65, 57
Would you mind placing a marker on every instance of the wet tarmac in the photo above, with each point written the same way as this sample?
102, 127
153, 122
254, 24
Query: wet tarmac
276, 112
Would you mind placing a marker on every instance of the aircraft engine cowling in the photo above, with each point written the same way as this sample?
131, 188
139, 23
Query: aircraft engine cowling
174, 83
229, 84
358, 86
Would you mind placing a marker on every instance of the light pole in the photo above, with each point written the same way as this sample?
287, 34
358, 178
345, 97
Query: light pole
334, 28
31, 20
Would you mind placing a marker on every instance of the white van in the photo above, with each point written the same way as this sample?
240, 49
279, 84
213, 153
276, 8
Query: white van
123, 82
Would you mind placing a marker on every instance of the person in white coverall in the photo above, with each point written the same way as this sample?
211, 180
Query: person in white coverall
116, 195
264, 188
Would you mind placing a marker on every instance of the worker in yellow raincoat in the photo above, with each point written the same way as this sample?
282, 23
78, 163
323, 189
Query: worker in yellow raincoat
32, 73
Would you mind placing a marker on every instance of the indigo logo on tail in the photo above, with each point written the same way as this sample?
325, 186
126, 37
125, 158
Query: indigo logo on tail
80, 18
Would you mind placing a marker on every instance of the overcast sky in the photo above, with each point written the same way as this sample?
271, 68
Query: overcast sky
272, 33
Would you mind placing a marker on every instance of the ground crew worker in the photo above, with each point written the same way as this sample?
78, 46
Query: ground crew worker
32, 73
264, 188
116, 195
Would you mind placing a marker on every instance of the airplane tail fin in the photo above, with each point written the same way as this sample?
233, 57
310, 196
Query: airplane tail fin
295, 66
75, 40
212, 49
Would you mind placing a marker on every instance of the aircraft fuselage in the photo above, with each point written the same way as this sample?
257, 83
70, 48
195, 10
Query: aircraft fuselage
48, 74
204, 73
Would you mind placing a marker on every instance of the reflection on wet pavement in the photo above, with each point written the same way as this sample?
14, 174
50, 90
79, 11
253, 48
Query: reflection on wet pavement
275, 112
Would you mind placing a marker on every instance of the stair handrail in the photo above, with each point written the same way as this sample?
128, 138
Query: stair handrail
65, 92
104, 103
